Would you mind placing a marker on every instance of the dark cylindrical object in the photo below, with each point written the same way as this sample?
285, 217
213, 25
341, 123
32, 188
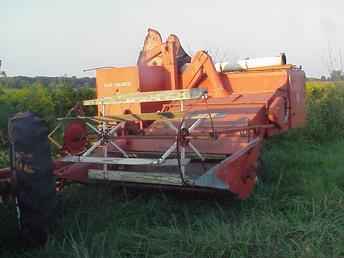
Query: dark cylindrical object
33, 169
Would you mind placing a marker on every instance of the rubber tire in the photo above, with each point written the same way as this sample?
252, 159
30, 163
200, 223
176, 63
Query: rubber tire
36, 202
35, 183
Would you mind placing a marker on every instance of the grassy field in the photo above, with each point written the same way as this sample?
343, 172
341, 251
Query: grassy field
296, 211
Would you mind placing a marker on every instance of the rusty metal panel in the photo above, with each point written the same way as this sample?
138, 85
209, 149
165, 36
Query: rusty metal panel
297, 98
115, 81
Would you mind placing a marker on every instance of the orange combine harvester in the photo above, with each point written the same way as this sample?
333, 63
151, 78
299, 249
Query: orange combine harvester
182, 121
177, 121
170, 121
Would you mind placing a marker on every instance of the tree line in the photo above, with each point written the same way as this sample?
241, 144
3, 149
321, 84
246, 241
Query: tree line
18, 82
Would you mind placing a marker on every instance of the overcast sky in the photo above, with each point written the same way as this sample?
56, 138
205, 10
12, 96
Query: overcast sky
56, 37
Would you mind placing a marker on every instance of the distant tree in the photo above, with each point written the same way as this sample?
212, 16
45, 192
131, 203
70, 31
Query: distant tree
336, 75
63, 98
2, 73
18, 82
334, 63
37, 99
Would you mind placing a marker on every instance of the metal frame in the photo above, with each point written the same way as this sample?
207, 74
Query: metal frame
151, 96
173, 147
110, 125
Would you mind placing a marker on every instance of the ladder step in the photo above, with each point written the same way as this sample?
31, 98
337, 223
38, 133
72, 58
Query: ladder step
135, 177
122, 161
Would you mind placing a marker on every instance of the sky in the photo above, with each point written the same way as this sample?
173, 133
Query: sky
63, 37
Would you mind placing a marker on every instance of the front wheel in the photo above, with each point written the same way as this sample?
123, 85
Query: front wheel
32, 167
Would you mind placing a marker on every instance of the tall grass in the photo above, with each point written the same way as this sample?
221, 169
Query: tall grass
297, 211
325, 108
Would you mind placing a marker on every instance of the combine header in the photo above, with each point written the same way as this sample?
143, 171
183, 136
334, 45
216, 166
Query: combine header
181, 121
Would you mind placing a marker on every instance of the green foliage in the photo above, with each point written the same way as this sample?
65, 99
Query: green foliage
4, 159
325, 111
65, 97
49, 103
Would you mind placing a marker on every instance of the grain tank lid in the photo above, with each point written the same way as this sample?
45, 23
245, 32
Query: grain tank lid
249, 63
252, 63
